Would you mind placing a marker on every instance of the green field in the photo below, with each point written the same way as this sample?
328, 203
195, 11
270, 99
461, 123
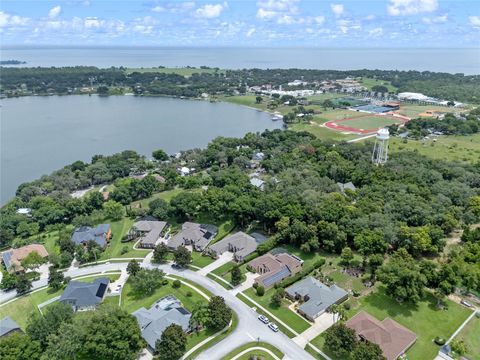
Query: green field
248, 355
201, 260
413, 111
424, 319
370, 122
470, 334
369, 83
451, 148
321, 132
20, 309
186, 72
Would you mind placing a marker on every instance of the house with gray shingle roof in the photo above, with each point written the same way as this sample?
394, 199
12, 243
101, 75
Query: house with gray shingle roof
84, 296
148, 230
314, 296
347, 186
240, 244
197, 235
8, 326
101, 235
166, 311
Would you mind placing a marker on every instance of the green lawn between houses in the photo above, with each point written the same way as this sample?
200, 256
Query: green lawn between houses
20, 309
247, 356
183, 71
470, 334
424, 319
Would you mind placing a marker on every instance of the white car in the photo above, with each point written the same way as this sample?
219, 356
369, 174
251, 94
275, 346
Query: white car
466, 303
263, 319
273, 327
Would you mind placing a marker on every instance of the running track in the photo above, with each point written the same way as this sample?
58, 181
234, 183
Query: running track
334, 124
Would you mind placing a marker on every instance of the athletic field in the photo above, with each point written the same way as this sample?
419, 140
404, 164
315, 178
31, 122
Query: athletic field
364, 124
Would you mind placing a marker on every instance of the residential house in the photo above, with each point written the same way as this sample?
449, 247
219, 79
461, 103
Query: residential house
148, 230
8, 327
197, 235
393, 338
101, 235
315, 297
259, 183
240, 244
275, 268
83, 296
343, 187
13, 258
164, 312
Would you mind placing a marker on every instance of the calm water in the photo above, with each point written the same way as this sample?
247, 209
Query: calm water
465, 61
42, 134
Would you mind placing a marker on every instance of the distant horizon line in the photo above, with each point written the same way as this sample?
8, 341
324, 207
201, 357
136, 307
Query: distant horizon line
106, 47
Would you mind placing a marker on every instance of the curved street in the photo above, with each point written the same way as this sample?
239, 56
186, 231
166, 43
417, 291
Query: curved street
249, 328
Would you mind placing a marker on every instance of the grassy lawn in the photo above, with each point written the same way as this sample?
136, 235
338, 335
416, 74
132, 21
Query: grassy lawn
20, 309
424, 319
452, 148
256, 354
265, 345
165, 195
224, 269
369, 83
292, 319
115, 248
412, 110
470, 334
371, 122
132, 302
201, 260
186, 72
321, 132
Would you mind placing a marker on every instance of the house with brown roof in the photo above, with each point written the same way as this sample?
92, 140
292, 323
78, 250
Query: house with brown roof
13, 258
275, 268
393, 338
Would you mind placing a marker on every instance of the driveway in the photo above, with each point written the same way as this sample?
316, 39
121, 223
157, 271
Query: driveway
248, 283
322, 323
222, 260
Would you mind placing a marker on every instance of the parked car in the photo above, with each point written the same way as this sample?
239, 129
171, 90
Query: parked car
263, 319
466, 303
273, 327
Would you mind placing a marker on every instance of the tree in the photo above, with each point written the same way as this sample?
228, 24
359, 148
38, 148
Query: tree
219, 314
340, 340
260, 290
65, 344
402, 277
133, 267
365, 350
23, 284
346, 256
370, 242
327, 104
160, 208
113, 210
9, 282
374, 262
200, 316
236, 276
55, 278
258, 99
459, 346
39, 327
182, 256
18, 346
339, 313
160, 253
112, 333
160, 155
33, 260
146, 281
172, 344
278, 296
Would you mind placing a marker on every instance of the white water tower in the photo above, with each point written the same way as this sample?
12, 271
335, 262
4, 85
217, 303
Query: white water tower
380, 149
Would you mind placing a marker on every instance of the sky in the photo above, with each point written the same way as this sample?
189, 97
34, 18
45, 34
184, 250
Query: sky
261, 23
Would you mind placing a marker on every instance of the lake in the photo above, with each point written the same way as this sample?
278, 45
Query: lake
42, 134
460, 60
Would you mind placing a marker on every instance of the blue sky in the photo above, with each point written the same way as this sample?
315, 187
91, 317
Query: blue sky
352, 23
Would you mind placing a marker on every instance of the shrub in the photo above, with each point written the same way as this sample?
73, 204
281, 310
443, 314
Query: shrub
440, 341
255, 285
189, 294
260, 290
347, 306
124, 250
305, 271
176, 284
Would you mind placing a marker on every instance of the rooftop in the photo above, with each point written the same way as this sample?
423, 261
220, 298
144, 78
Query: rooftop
84, 234
14, 257
240, 244
198, 235
7, 325
83, 294
151, 229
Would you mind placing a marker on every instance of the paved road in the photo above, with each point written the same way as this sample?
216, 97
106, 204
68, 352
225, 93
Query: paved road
249, 328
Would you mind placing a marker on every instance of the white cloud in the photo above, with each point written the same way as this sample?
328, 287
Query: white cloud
436, 19
278, 5
54, 12
281, 10
266, 14
250, 32
376, 32
158, 9
411, 7
210, 11
474, 21
337, 9
91, 22
12, 20
369, 17
286, 20
319, 19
